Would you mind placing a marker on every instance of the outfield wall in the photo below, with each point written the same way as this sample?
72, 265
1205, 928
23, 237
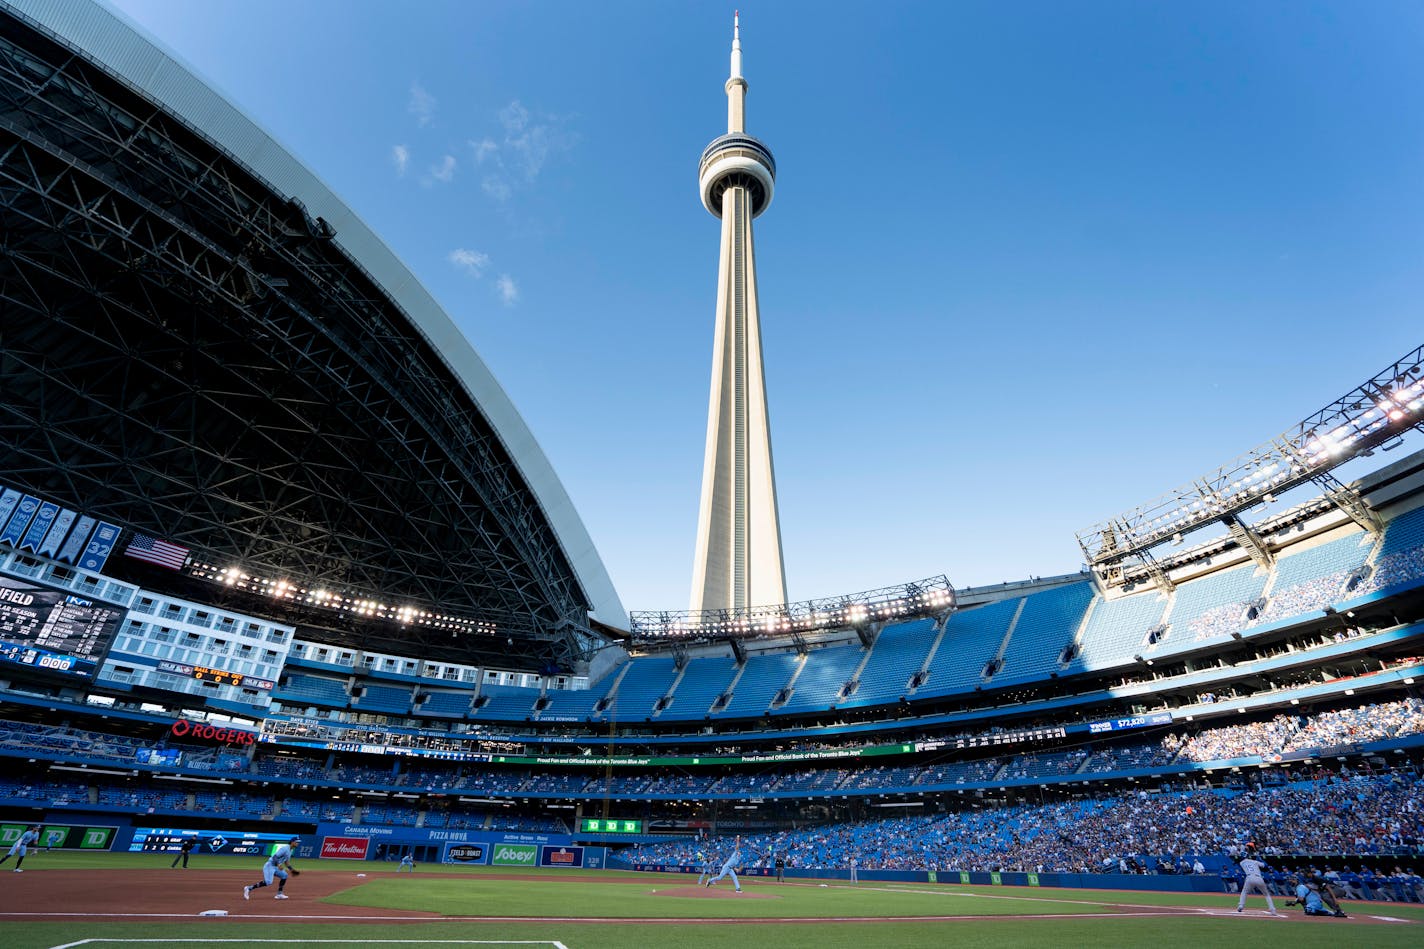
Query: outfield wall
1205, 883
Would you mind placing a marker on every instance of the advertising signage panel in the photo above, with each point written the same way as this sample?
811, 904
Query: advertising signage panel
560, 856
610, 825
466, 853
345, 848
514, 855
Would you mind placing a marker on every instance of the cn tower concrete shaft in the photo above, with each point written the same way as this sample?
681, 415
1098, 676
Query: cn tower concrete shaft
738, 560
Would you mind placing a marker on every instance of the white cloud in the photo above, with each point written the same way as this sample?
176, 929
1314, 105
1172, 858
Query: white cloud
401, 156
471, 261
497, 187
508, 291
514, 117
516, 161
422, 105
443, 172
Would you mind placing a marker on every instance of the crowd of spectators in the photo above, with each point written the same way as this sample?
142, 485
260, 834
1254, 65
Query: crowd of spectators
1265, 740
1344, 815
1404, 566
1356, 725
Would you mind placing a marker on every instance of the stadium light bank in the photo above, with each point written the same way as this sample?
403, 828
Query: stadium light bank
1375, 412
932, 597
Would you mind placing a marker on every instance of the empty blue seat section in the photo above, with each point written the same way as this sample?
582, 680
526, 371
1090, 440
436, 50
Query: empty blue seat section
507, 702
313, 690
826, 671
384, 698
1405, 532
1214, 605
702, 681
1115, 630
899, 653
648, 680
763, 677
447, 704
1048, 623
1314, 578
578, 704
971, 638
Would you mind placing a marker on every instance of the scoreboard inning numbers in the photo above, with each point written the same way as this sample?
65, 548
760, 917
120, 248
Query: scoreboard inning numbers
609, 825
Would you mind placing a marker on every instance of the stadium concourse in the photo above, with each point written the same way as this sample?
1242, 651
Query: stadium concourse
226, 619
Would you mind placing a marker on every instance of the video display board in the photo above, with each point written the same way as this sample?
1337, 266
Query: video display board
46, 628
170, 839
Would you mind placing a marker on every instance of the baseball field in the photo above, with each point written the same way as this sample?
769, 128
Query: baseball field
135, 900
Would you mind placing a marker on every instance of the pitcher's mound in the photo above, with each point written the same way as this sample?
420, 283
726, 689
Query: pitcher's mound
713, 893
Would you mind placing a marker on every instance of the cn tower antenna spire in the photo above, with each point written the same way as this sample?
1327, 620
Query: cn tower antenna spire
736, 45
737, 563
736, 85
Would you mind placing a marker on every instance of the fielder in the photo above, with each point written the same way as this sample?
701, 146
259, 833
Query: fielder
407, 863
22, 846
278, 865
729, 867
1252, 868
704, 867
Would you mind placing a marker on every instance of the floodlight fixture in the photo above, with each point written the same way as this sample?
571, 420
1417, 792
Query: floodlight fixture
930, 597
1380, 410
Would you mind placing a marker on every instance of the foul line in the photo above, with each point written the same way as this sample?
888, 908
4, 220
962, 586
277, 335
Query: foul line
346, 942
606, 920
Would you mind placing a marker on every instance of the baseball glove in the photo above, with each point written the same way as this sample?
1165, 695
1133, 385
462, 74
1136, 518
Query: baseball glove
295, 871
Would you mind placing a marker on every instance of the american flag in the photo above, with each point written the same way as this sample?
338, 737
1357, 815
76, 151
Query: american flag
161, 552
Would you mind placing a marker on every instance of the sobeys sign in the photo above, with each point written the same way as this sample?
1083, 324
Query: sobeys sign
515, 855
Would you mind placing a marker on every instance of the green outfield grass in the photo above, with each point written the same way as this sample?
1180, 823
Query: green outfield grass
611, 895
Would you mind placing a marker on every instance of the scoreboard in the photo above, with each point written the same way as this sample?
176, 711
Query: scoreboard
50, 629
610, 825
170, 839
209, 674
220, 676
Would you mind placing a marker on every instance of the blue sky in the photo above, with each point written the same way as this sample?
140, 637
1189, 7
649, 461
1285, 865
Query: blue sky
1028, 264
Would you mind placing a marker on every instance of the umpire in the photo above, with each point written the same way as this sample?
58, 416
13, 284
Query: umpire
185, 848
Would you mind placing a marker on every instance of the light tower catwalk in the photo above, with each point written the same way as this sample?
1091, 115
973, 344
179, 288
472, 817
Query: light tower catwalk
738, 559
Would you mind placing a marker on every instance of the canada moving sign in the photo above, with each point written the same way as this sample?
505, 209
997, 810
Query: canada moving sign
184, 728
344, 848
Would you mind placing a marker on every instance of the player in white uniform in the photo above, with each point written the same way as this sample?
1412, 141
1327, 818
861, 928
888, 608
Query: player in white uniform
407, 863
22, 846
1251, 868
277, 866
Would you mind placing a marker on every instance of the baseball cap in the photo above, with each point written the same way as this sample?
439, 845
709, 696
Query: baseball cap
295, 840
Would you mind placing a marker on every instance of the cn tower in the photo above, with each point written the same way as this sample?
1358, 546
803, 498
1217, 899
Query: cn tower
738, 559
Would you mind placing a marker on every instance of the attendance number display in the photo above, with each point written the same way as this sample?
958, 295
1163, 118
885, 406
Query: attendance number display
608, 825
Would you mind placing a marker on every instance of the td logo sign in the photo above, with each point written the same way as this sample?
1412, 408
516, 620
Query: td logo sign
515, 855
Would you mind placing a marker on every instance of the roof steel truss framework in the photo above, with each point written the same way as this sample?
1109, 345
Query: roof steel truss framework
189, 353
1372, 414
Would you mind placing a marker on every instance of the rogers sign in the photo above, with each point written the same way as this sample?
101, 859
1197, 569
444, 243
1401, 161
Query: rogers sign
183, 728
344, 848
